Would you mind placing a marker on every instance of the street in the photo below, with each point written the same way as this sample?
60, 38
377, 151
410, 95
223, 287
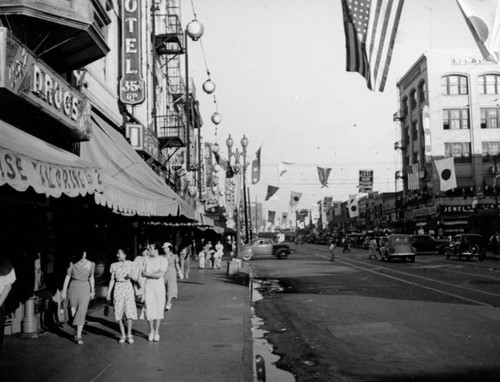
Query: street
365, 320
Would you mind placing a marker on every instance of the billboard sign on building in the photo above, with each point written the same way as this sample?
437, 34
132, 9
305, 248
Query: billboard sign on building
131, 82
365, 180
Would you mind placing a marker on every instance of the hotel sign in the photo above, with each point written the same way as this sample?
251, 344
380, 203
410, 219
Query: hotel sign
131, 82
31, 80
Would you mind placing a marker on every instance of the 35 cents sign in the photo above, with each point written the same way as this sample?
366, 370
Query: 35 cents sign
131, 82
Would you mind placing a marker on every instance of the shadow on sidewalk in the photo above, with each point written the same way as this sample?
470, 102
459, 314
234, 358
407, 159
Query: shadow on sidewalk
113, 325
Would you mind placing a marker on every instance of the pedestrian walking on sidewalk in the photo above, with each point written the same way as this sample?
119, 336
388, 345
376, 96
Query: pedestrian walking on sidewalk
171, 274
7, 278
185, 258
209, 255
138, 283
219, 252
154, 270
201, 258
332, 250
120, 286
79, 288
372, 249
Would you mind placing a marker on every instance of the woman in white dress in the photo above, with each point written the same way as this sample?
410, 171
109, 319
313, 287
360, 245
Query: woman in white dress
154, 270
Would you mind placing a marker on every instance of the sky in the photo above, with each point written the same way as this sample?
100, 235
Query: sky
279, 70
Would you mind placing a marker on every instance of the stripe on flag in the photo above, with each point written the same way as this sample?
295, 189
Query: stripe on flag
412, 173
370, 28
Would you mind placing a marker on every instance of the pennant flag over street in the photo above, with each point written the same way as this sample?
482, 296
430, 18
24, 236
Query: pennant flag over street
483, 19
271, 215
295, 198
256, 167
283, 168
446, 171
323, 174
370, 30
271, 190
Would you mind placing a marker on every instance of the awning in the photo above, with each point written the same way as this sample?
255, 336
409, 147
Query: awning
130, 186
27, 161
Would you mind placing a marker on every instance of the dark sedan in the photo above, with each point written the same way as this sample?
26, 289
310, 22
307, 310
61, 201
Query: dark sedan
428, 244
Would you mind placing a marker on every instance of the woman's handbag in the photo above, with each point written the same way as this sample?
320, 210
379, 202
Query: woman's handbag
107, 308
62, 312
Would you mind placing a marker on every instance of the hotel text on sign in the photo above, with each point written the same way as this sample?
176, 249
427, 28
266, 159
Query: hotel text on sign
131, 82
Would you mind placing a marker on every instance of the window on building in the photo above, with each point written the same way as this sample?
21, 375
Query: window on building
489, 84
455, 119
404, 107
489, 118
413, 99
406, 135
414, 132
459, 150
416, 157
421, 92
406, 161
454, 85
490, 150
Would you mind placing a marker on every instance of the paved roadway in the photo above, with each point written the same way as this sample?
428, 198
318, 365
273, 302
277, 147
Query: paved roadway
365, 320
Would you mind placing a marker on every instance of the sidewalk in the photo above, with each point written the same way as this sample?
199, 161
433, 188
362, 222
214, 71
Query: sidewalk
206, 336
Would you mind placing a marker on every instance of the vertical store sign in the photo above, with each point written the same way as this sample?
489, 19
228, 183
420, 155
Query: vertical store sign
131, 82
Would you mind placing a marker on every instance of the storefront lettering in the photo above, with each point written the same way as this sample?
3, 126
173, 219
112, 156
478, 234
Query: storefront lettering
55, 93
22, 172
12, 167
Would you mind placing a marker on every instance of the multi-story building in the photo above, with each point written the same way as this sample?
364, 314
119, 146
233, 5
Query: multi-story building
92, 124
449, 108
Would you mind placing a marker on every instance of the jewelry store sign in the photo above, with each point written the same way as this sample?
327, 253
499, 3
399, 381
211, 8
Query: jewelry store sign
131, 82
33, 81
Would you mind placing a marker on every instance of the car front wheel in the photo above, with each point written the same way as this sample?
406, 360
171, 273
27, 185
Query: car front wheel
282, 254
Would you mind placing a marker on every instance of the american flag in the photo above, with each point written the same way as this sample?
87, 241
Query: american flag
370, 30
413, 177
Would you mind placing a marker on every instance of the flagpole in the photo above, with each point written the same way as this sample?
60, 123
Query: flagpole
256, 217
249, 214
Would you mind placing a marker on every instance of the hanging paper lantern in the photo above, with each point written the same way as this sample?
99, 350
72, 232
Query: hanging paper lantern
195, 29
217, 168
215, 180
208, 86
216, 118
215, 147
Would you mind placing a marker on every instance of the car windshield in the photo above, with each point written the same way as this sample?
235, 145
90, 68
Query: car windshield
471, 239
400, 240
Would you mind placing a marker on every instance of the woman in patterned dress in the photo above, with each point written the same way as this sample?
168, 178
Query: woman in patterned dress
123, 294
79, 287
154, 270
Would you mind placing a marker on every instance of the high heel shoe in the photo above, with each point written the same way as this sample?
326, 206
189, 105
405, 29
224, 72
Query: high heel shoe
78, 340
157, 337
151, 337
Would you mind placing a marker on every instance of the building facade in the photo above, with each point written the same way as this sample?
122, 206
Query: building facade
449, 108
97, 123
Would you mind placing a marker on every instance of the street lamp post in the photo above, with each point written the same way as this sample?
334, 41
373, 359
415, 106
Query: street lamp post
238, 169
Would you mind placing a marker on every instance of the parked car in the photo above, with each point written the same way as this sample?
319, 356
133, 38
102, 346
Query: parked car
398, 246
263, 247
428, 244
467, 245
